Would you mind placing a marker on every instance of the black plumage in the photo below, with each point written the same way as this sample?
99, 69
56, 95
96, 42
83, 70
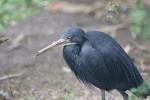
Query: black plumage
97, 59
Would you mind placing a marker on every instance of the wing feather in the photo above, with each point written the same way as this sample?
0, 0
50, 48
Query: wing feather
122, 72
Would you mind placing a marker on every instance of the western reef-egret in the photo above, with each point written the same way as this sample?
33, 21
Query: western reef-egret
97, 59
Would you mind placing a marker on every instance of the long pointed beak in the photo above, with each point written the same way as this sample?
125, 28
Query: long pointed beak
54, 44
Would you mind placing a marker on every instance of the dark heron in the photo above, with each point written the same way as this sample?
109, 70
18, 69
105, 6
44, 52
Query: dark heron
97, 59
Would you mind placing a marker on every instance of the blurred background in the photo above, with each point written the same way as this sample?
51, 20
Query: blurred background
28, 25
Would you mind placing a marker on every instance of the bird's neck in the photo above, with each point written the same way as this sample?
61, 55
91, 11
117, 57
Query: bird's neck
71, 50
71, 53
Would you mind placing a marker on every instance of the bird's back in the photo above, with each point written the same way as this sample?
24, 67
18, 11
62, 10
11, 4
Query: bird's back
123, 72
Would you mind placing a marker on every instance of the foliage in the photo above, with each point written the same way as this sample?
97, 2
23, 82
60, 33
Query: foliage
30, 98
18, 9
139, 18
143, 90
113, 9
68, 95
3, 95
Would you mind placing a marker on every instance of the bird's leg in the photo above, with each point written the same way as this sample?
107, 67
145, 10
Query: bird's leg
125, 95
103, 95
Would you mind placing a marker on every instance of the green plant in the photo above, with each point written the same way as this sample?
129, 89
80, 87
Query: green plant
68, 96
18, 9
139, 18
30, 98
143, 90
113, 9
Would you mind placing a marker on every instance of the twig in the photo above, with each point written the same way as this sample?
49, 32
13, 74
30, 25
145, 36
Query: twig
3, 39
11, 76
16, 42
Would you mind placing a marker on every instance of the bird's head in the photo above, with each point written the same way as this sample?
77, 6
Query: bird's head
73, 35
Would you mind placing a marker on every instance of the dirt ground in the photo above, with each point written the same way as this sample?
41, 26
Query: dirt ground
47, 77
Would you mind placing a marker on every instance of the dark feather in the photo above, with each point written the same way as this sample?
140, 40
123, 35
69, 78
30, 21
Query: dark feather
101, 61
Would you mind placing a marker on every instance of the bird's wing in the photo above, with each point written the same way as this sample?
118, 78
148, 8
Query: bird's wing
93, 67
119, 66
